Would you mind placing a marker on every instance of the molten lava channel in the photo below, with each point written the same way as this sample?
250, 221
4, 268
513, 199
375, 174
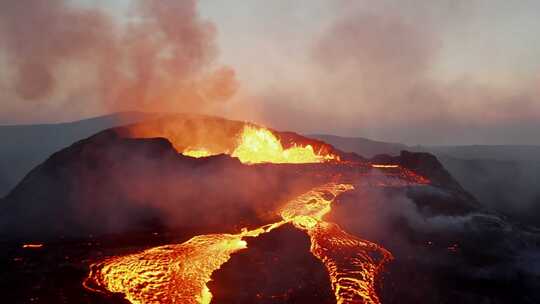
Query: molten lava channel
172, 273
259, 145
197, 153
179, 273
352, 264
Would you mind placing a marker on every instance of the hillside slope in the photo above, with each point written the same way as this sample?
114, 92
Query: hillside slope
25, 146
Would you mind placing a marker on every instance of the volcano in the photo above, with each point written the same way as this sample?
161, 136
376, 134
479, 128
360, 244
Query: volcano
203, 205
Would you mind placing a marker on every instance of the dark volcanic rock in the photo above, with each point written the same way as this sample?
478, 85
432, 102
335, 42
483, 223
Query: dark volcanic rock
444, 195
424, 164
427, 164
110, 184
275, 268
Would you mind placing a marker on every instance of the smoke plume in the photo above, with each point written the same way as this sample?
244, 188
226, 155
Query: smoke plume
63, 59
377, 70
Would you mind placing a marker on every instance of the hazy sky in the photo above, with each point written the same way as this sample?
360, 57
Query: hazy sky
430, 72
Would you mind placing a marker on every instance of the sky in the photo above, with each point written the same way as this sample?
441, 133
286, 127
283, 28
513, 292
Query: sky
418, 72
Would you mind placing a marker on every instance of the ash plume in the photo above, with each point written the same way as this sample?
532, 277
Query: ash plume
84, 60
376, 69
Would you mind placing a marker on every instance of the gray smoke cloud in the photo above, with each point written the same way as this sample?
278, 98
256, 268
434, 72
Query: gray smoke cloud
374, 72
63, 59
440, 239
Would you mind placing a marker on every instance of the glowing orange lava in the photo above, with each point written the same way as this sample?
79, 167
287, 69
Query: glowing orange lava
352, 264
32, 246
179, 273
172, 273
261, 146
197, 153
258, 145
384, 166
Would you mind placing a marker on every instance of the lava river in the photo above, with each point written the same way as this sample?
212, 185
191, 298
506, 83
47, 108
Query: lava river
179, 273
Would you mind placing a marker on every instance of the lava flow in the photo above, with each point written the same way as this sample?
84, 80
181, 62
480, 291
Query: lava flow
172, 273
179, 273
352, 264
196, 153
259, 145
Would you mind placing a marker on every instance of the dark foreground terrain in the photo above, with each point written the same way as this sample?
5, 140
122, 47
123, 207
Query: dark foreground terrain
278, 268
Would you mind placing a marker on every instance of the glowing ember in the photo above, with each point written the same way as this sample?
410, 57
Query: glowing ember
197, 153
32, 246
384, 166
352, 264
261, 146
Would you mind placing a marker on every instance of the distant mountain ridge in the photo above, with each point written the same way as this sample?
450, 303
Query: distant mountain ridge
492, 152
25, 146
368, 147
